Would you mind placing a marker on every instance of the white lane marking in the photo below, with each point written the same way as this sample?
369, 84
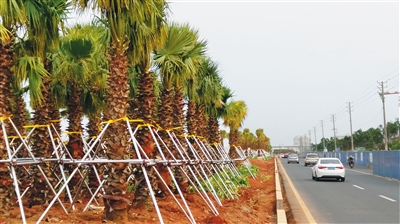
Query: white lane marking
358, 187
361, 172
387, 198
371, 174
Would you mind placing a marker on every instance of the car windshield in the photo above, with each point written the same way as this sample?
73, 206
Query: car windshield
312, 156
294, 156
330, 161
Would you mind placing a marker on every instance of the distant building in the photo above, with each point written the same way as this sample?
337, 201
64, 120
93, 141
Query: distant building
302, 143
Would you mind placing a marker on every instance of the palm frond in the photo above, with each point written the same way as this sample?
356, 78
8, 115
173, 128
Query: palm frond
5, 34
31, 69
12, 12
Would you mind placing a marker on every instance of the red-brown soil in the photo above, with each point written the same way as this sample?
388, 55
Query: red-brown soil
256, 205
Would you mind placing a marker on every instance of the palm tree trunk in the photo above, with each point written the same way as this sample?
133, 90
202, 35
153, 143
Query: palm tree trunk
94, 131
94, 125
165, 120
147, 108
6, 60
201, 122
39, 191
116, 199
179, 120
147, 100
20, 118
75, 144
233, 141
133, 111
214, 133
191, 118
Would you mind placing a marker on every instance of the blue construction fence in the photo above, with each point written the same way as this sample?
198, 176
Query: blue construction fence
383, 163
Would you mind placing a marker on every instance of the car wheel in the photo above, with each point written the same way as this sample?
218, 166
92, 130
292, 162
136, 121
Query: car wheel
313, 177
343, 179
305, 164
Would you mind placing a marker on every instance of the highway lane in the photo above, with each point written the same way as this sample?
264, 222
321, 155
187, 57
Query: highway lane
362, 198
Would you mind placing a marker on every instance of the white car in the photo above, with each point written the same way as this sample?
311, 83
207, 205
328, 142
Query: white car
311, 159
328, 168
293, 158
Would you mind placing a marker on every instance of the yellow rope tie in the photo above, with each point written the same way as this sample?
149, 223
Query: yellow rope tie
5, 118
136, 120
55, 121
116, 120
159, 127
15, 136
145, 125
37, 126
175, 128
73, 132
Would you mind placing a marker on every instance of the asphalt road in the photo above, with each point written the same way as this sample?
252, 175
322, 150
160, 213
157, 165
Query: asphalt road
362, 198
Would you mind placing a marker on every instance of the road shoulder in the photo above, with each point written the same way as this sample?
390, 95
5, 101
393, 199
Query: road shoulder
300, 212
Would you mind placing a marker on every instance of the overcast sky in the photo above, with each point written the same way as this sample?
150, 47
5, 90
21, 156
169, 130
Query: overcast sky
297, 63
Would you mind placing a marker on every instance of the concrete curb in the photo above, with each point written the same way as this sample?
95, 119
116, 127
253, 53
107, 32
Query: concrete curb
280, 212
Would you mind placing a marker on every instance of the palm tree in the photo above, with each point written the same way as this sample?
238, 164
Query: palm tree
263, 142
236, 113
174, 67
213, 95
44, 21
120, 15
147, 32
210, 106
11, 14
247, 139
80, 59
193, 59
176, 61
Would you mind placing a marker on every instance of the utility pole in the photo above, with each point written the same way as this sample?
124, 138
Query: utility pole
334, 130
351, 129
382, 95
323, 138
309, 142
315, 137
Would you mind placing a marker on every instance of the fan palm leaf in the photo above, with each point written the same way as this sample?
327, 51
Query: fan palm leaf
234, 117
